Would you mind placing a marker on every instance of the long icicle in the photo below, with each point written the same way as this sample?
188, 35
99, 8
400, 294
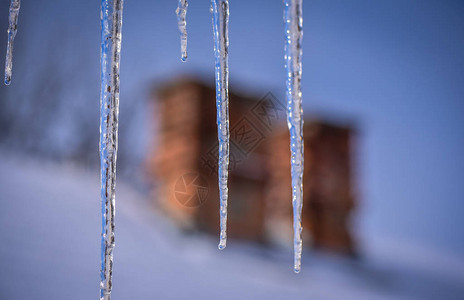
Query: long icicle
293, 17
12, 29
220, 11
181, 13
111, 22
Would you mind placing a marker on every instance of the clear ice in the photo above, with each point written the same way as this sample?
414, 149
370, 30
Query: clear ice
111, 25
220, 12
181, 13
293, 18
12, 29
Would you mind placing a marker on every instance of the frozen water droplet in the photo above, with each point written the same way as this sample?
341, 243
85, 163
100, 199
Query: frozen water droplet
222, 245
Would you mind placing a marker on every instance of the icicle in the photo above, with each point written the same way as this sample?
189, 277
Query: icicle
12, 29
220, 11
293, 17
181, 12
111, 22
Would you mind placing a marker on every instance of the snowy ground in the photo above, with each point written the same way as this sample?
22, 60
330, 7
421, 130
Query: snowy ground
50, 244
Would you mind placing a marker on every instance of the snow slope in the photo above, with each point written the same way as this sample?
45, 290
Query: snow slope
50, 247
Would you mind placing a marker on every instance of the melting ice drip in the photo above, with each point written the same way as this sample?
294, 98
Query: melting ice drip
111, 23
12, 29
293, 17
181, 12
220, 12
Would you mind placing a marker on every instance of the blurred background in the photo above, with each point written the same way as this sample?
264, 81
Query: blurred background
383, 88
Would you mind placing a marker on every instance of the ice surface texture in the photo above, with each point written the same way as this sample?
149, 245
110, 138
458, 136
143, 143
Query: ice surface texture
220, 12
293, 18
111, 23
12, 29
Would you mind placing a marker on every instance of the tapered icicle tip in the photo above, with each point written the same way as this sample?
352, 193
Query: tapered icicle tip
222, 244
223, 235
297, 259
181, 13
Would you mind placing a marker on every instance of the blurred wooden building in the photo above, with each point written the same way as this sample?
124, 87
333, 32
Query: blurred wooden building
184, 163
